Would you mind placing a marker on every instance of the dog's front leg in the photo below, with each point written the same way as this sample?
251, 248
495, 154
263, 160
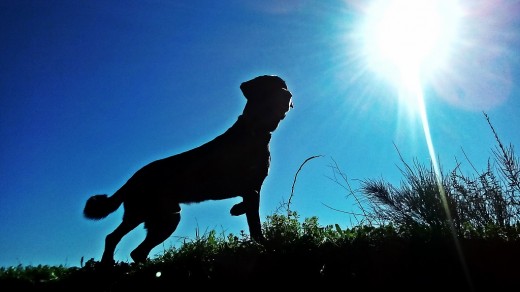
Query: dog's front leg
242, 207
252, 206
238, 209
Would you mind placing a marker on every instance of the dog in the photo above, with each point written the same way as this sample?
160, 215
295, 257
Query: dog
234, 164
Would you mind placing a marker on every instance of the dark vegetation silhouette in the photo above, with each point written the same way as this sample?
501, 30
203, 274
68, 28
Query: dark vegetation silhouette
233, 164
401, 239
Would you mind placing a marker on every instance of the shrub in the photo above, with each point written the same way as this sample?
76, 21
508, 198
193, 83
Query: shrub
485, 203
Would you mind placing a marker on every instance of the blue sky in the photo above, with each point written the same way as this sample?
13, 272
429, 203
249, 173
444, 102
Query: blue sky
93, 90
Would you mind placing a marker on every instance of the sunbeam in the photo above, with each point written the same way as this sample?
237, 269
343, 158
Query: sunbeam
403, 39
406, 41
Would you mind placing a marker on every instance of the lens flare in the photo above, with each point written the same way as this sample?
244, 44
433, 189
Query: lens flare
406, 41
461, 49
409, 37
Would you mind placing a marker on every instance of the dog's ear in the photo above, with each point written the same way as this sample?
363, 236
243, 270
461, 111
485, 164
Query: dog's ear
261, 86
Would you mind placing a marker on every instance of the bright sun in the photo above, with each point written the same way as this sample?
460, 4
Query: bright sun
458, 47
409, 39
406, 41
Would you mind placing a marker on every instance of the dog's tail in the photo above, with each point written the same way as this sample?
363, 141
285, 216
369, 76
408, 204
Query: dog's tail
100, 206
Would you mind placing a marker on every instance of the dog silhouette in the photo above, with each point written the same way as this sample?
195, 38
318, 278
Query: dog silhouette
234, 164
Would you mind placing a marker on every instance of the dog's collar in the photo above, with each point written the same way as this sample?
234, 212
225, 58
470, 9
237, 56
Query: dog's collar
245, 125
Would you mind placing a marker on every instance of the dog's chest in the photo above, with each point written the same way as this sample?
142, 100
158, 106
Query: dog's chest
247, 155
226, 168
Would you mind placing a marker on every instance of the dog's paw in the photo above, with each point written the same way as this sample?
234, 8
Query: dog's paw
258, 238
138, 257
106, 264
238, 209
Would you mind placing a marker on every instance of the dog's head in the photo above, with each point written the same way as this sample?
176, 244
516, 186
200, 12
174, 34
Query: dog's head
268, 100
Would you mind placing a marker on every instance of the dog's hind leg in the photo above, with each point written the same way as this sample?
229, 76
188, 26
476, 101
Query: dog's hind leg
114, 238
159, 228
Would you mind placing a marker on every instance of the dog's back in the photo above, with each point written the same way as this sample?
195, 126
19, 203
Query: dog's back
225, 167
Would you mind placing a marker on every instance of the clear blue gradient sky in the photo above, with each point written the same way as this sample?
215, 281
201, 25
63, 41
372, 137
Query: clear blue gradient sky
93, 90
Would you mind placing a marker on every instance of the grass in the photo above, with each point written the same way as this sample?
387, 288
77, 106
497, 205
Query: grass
404, 239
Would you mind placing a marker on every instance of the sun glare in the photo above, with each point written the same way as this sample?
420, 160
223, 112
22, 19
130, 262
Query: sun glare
409, 37
406, 41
